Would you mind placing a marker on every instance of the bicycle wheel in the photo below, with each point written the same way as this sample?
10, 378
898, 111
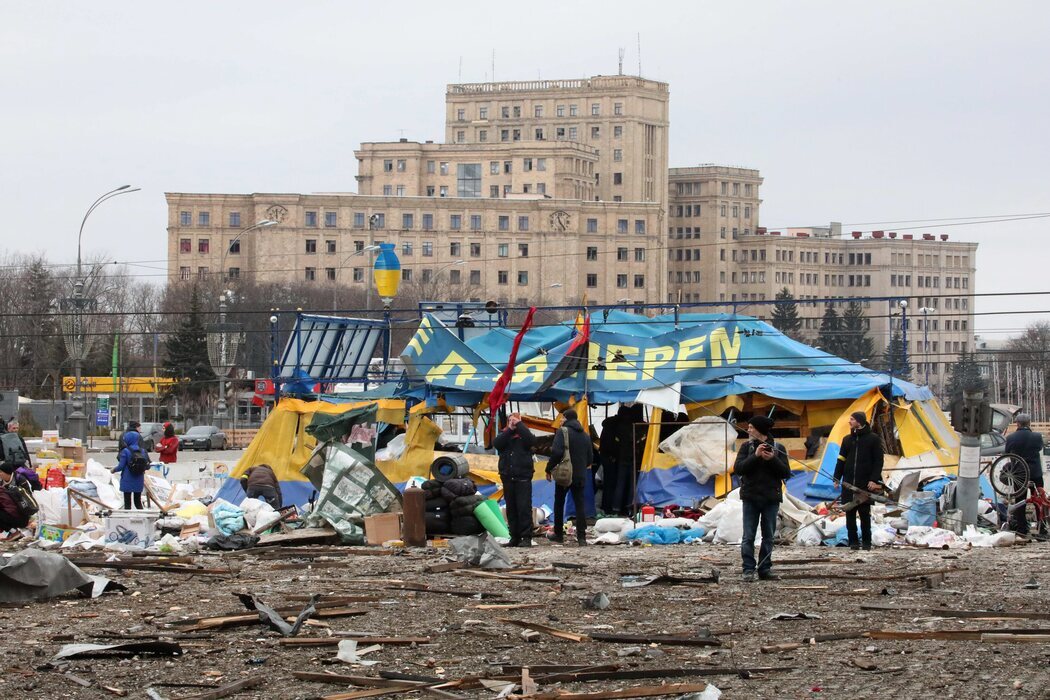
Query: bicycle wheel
1009, 476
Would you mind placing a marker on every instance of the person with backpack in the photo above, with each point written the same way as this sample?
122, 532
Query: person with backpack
132, 465
573, 443
17, 504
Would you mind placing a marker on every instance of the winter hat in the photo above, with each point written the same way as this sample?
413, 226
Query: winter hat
570, 414
761, 424
8, 467
860, 417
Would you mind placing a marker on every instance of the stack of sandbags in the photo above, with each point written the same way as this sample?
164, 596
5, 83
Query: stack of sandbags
438, 516
462, 497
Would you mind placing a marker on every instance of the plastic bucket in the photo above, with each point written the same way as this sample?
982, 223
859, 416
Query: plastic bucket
489, 515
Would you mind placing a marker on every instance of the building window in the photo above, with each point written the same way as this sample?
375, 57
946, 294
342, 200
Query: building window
475, 250
443, 191
517, 111
235, 273
596, 109
592, 253
515, 135
617, 178
541, 188
455, 221
508, 166
617, 132
202, 273
185, 219
311, 245
475, 276
388, 166
427, 275
402, 165
461, 136
400, 191
523, 250
504, 223
621, 226
406, 249
235, 219
592, 280
526, 164
428, 249
523, 223
475, 222
329, 274
747, 212
388, 190
329, 246
483, 112
503, 250
203, 245
430, 190
502, 276
203, 218
592, 226
539, 133
311, 219
573, 133
455, 249
185, 245
311, 274
523, 278
573, 110
537, 111
428, 222
639, 254
504, 135
406, 221
461, 115
617, 154
329, 219
621, 255
377, 220
722, 210
454, 277
639, 226
443, 168
468, 180
618, 108
430, 167
493, 191
359, 274
406, 275
639, 281
493, 167
559, 111
596, 132
621, 281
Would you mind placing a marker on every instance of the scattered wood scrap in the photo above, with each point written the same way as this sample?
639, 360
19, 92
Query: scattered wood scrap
670, 639
509, 577
334, 641
227, 690
552, 631
875, 577
650, 691
975, 614
639, 674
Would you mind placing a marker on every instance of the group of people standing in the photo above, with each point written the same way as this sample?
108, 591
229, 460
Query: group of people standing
133, 461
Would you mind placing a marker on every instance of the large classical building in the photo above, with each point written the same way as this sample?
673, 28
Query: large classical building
560, 191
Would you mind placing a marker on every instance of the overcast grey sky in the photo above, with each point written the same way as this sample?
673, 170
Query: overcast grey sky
853, 112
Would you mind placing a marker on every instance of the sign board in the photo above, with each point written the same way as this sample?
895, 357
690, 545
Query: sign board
102, 417
127, 385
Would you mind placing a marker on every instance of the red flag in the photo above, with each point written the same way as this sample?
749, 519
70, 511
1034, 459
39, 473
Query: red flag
498, 397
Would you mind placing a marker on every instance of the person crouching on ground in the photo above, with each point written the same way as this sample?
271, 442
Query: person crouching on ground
581, 454
860, 465
261, 481
11, 516
516, 468
761, 464
131, 469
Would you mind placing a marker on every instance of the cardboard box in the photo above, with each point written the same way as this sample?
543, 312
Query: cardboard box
77, 453
49, 437
56, 533
382, 528
132, 527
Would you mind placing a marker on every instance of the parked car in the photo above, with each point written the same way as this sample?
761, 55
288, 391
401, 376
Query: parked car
992, 444
151, 435
203, 437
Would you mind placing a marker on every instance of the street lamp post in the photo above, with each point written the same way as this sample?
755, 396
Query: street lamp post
226, 249
904, 334
77, 305
368, 285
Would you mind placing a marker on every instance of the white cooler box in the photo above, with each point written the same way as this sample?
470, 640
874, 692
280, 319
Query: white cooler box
132, 527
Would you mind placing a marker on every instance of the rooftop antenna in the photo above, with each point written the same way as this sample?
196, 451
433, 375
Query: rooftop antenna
461, 69
622, 52
639, 54
493, 65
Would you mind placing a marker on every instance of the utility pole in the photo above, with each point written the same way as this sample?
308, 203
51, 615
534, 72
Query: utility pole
971, 416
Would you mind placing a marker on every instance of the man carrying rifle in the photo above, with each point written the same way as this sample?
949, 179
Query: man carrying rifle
859, 466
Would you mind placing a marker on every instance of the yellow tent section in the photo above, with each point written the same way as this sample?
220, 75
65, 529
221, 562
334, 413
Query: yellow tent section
282, 441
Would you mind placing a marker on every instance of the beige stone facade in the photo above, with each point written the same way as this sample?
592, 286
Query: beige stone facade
513, 250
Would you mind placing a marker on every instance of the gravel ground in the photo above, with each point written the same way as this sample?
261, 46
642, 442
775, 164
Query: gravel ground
466, 641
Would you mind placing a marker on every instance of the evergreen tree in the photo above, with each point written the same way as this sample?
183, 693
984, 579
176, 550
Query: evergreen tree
187, 358
965, 374
830, 336
855, 345
785, 315
895, 359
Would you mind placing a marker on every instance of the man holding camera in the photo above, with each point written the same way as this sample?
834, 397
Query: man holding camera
761, 464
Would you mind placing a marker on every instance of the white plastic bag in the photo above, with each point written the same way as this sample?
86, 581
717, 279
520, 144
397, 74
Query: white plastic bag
703, 447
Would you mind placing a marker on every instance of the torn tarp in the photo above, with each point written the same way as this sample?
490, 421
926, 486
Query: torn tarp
70, 651
274, 619
349, 483
35, 575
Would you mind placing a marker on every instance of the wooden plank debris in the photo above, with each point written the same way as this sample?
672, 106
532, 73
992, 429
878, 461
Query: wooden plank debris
552, 631
228, 690
670, 639
650, 691
250, 618
361, 681
536, 578
444, 566
509, 606
875, 577
974, 614
644, 673
334, 641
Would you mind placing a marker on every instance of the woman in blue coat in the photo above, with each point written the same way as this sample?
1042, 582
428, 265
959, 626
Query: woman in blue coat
131, 484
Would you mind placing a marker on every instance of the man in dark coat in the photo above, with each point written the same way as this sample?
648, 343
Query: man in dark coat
1027, 445
581, 454
859, 464
608, 452
762, 465
516, 468
260, 481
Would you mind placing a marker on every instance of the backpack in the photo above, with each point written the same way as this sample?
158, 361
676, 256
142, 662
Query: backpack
562, 472
138, 461
19, 492
14, 450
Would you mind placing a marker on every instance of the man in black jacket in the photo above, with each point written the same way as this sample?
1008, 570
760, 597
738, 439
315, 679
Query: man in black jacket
762, 466
516, 468
1027, 445
581, 454
859, 464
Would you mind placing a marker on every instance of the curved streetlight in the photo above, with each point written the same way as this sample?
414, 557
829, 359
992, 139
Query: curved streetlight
368, 284
226, 250
123, 189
